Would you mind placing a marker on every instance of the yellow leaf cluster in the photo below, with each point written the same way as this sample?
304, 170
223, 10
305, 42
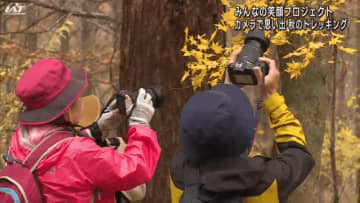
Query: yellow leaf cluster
280, 38
209, 60
225, 3
301, 32
351, 102
9, 108
336, 39
60, 33
345, 152
347, 50
229, 17
298, 52
316, 45
294, 69
217, 48
307, 52
316, 33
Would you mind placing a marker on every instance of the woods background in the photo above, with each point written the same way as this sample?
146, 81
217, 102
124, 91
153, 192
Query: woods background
130, 44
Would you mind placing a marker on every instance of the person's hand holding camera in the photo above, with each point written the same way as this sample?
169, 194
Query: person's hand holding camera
122, 145
110, 118
271, 80
142, 111
233, 59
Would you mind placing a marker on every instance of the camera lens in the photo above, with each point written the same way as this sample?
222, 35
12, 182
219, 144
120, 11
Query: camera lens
156, 95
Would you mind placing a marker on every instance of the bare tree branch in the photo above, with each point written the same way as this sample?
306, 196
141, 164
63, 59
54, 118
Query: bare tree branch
23, 31
116, 40
101, 27
81, 14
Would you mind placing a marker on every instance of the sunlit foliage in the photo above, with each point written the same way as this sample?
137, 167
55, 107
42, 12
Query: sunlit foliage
207, 58
9, 75
347, 154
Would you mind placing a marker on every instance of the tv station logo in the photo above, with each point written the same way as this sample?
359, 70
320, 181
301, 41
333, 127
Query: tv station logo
15, 9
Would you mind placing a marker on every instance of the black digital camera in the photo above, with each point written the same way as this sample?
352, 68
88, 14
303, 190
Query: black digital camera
242, 71
155, 92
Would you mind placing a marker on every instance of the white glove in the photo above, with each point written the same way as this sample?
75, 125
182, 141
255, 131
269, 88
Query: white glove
135, 194
110, 119
143, 110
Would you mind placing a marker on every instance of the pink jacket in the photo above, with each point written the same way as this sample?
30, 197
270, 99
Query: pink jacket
77, 168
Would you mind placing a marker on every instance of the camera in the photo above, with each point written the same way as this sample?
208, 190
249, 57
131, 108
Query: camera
155, 92
242, 71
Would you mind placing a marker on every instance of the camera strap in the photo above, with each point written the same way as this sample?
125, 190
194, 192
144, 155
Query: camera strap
260, 103
259, 108
106, 108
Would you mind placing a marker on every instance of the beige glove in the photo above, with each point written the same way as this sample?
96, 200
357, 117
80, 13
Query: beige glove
135, 194
122, 145
110, 119
143, 111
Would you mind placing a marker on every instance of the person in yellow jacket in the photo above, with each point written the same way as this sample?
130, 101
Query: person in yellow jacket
217, 129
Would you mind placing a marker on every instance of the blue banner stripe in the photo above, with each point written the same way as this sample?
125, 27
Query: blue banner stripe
12, 193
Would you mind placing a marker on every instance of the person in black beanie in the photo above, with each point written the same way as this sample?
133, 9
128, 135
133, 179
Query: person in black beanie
217, 129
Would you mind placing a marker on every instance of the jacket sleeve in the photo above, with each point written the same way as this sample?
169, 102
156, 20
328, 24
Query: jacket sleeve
108, 169
287, 128
175, 192
176, 177
294, 163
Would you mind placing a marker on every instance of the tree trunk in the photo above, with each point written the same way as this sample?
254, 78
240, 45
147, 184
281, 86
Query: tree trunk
152, 35
357, 113
308, 99
357, 119
31, 38
333, 130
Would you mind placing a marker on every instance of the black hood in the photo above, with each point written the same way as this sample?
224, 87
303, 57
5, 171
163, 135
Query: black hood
232, 177
223, 179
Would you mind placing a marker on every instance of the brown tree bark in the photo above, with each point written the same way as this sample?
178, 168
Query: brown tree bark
307, 98
333, 131
357, 117
357, 112
31, 38
152, 35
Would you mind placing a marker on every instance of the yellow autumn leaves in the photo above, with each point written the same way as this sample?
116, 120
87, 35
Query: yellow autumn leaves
345, 152
336, 40
351, 102
306, 51
309, 50
207, 58
280, 38
60, 33
10, 105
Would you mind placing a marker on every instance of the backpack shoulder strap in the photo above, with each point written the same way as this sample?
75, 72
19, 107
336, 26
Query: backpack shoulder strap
44, 147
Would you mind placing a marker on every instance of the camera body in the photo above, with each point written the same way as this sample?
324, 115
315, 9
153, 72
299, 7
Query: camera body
242, 71
155, 92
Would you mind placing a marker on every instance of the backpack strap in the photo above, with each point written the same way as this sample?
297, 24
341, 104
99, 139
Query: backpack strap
44, 147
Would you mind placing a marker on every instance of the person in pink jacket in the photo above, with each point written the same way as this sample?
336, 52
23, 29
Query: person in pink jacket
77, 169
